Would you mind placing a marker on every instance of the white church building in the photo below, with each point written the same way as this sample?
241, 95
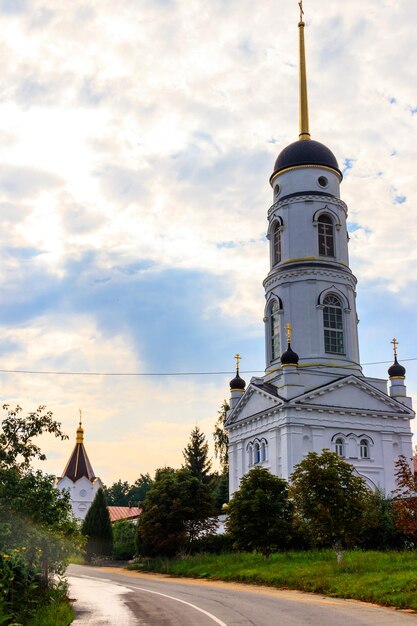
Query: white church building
79, 479
314, 394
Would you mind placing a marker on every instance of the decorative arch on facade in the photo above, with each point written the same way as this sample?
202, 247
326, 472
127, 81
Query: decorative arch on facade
257, 451
326, 211
333, 290
274, 311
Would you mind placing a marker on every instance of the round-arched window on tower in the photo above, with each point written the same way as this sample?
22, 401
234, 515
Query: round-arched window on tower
333, 325
340, 447
326, 236
364, 449
276, 250
274, 329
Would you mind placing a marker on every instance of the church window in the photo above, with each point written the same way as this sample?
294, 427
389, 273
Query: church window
333, 325
83, 493
340, 447
277, 244
264, 451
326, 236
276, 191
257, 453
323, 182
275, 338
364, 449
250, 452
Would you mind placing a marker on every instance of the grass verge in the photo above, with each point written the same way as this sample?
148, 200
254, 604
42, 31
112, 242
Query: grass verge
387, 578
58, 613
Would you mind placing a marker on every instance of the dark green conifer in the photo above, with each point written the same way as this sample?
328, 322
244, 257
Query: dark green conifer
97, 528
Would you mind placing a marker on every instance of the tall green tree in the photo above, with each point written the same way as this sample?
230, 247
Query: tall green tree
177, 509
118, 493
196, 456
139, 489
221, 438
97, 528
259, 513
18, 434
329, 500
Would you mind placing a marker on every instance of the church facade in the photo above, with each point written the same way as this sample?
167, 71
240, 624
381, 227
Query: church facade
79, 479
314, 394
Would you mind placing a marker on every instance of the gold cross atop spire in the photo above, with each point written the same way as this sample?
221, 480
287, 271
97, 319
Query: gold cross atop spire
81, 416
238, 359
395, 344
80, 430
288, 328
300, 4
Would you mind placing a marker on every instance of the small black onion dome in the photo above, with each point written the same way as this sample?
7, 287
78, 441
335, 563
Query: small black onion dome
237, 383
289, 357
306, 152
396, 370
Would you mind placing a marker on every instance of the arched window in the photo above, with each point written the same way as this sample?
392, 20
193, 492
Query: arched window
326, 235
364, 449
276, 242
274, 329
340, 447
257, 453
333, 325
264, 451
250, 454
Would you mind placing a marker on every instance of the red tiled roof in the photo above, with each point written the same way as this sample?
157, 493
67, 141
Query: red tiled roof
118, 513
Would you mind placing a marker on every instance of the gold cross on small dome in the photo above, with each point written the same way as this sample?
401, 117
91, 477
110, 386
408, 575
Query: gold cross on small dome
395, 344
288, 328
300, 4
238, 359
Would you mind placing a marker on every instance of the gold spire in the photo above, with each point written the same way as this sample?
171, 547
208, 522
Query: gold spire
80, 431
304, 126
395, 344
238, 359
288, 328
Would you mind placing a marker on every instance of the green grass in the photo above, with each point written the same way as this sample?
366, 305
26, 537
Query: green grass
387, 578
77, 559
59, 613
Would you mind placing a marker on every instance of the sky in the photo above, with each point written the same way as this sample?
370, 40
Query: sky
136, 143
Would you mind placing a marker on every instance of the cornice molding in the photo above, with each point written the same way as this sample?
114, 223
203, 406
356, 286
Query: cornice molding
284, 273
308, 198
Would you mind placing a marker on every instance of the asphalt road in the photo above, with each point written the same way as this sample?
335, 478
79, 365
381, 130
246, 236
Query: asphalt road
112, 597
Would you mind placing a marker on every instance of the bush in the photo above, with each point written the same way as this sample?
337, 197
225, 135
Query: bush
124, 536
212, 544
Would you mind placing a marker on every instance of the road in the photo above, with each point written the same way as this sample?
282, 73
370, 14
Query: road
114, 597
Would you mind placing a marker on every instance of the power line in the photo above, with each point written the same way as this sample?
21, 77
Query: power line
150, 374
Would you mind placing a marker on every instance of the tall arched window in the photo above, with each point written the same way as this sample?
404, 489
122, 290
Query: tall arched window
276, 239
256, 453
333, 325
326, 235
275, 339
364, 449
264, 451
340, 447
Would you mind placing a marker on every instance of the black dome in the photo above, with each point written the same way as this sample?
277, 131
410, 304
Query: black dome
237, 383
396, 370
289, 357
306, 152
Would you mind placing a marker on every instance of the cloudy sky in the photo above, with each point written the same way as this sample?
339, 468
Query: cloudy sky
136, 142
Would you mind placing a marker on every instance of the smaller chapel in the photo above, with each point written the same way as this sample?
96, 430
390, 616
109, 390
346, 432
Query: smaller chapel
78, 477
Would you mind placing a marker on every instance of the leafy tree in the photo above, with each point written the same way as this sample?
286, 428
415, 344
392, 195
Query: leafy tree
378, 529
196, 455
259, 513
219, 484
17, 448
177, 509
124, 535
97, 528
221, 437
118, 493
405, 502
329, 499
140, 488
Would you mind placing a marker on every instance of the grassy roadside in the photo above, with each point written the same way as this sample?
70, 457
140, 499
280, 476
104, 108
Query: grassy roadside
59, 613
387, 578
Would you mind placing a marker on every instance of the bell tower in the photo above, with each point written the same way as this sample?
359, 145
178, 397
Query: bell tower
310, 284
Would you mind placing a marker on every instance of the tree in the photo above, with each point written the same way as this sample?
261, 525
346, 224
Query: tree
196, 455
177, 509
97, 528
378, 528
140, 488
405, 502
17, 448
329, 499
118, 493
221, 438
259, 513
124, 535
